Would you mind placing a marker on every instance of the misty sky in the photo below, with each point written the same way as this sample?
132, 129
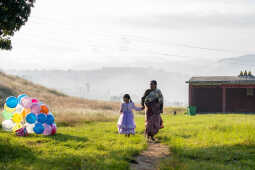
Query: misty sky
86, 34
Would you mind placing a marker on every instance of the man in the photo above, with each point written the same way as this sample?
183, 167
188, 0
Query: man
153, 101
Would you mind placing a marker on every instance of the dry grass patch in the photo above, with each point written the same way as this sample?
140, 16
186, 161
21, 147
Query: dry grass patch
71, 117
15, 85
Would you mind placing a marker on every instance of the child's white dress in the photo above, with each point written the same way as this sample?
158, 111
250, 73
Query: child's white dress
126, 123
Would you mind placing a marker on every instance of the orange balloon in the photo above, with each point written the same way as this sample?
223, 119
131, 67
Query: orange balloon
25, 112
44, 109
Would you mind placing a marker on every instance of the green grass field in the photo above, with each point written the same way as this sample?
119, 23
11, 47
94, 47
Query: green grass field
205, 142
95, 145
210, 142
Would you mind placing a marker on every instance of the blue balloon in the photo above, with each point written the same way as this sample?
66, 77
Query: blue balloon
38, 129
50, 119
42, 118
12, 102
31, 118
20, 97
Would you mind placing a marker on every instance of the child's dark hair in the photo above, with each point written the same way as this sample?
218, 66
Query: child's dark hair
127, 96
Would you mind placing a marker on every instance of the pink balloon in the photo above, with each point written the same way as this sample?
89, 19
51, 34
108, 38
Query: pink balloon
35, 108
35, 101
54, 129
26, 102
47, 129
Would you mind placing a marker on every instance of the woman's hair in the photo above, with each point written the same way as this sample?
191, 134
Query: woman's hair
154, 82
127, 96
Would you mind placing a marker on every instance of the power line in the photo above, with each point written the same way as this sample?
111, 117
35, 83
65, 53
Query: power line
139, 38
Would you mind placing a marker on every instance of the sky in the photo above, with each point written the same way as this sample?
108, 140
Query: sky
89, 34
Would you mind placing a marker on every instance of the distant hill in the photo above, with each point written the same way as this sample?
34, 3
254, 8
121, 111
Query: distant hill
230, 66
111, 83
14, 85
247, 60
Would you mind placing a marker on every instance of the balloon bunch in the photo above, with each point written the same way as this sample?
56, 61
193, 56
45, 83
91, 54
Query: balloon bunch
25, 115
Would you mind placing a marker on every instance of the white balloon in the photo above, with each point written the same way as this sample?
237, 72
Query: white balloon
19, 108
30, 128
7, 125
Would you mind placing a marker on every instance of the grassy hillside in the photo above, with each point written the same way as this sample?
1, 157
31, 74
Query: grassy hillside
66, 108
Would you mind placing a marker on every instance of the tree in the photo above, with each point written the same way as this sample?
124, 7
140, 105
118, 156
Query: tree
250, 74
241, 74
245, 73
13, 15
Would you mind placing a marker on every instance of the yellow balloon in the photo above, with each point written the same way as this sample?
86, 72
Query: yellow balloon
17, 117
8, 109
17, 127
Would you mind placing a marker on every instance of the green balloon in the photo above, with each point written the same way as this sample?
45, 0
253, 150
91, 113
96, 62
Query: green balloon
7, 115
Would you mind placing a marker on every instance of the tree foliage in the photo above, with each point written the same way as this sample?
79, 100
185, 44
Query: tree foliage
13, 15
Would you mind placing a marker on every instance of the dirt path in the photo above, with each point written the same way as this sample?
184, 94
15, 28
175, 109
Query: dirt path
149, 159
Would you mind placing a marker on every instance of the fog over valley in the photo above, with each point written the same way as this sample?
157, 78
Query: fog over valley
102, 49
110, 83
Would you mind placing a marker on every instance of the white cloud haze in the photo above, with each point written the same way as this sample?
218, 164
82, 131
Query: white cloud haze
84, 34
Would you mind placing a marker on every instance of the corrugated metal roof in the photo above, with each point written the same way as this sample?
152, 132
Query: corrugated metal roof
223, 80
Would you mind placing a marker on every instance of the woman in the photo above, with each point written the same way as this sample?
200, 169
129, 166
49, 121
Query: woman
153, 102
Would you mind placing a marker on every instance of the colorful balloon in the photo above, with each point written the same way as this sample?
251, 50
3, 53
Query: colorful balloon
35, 108
16, 127
50, 119
12, 102
26, 102
21, 132
54, 129
20, 97
24, 115
17, 117
44, 109
35, 101
47, 129
30, 128
19, 108
8, 109
38, 129
31, 118
8, 125
25, 112
42, 118
7, 115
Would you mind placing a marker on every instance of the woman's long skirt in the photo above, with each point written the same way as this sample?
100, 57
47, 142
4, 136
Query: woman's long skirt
153, 119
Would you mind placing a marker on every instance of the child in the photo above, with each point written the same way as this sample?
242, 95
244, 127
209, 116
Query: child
126, 123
